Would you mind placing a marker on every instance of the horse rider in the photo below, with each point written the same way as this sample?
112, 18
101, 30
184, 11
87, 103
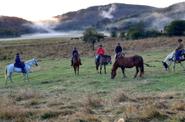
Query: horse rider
75, 52
179, 50
118, 50
19, 63
99, 52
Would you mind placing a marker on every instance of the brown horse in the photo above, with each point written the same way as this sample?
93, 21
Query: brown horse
76, 62
103, 61
128, 62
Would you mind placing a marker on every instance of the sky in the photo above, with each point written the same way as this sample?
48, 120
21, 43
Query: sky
36, 10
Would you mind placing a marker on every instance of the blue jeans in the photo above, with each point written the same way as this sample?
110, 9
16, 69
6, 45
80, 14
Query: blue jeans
178, 55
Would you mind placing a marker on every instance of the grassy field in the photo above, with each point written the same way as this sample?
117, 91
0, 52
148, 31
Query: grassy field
54, 93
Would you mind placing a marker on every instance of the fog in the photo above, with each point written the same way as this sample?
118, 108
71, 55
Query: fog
46, 35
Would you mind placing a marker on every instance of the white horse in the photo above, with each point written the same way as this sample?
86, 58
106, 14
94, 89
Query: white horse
170, 58
10, 69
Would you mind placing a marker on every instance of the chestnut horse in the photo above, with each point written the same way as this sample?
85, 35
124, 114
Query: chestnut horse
128, 62
76, 63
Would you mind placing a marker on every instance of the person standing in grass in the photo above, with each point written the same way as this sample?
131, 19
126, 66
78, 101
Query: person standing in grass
179, 50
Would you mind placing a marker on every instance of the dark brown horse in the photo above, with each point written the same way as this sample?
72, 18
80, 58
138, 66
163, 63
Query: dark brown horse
76, 62
128, 62
103, 61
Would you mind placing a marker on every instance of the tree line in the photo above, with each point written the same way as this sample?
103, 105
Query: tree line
137, 31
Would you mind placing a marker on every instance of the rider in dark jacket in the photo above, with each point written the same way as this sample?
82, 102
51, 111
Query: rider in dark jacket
75, 51
118, 50
19, 63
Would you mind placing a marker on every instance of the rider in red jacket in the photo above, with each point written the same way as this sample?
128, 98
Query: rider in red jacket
99, 52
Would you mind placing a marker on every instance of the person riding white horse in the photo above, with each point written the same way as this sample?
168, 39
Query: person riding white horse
176, 56
19, 63
10, 69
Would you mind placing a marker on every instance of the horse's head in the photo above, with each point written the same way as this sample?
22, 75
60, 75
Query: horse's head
113, 74
165, 65
35, 62
108, 59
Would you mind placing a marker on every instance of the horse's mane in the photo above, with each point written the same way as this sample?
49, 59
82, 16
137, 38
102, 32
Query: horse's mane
29, 60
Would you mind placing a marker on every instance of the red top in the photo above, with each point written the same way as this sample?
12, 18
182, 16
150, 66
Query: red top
100, 51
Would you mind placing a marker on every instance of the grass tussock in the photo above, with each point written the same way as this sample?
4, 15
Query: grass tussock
178, 105
10, 111
50, 114
150, 112
93, 102
25, 94
83, 117
121, 97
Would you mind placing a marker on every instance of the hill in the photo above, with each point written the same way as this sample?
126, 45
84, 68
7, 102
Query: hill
14, 27
98, 15
120, 16
153, 20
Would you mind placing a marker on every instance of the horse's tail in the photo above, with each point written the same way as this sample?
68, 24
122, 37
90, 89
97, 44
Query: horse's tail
5, 72
142, 66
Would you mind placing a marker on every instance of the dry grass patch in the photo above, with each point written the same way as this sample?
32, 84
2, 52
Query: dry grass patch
93, 101
83, 117
121, 96
178, 105
10, 111
25, 94
150, 112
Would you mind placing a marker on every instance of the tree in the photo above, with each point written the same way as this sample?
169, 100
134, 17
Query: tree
175, 28
136, 31
92, 36
122, 34
113, 34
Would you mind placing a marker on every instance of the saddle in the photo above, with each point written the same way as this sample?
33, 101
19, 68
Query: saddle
20, 67
119, 55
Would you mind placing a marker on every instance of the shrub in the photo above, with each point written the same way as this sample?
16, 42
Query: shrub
175, 28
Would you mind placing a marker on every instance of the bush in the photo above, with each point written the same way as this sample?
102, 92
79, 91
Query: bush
175, 28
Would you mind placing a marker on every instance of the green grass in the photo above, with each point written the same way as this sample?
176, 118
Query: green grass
57, 74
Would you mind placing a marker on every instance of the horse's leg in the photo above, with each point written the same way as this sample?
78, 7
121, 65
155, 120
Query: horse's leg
105, 69
97, 66
123, 72
174, 66
74, 69
10, 77
78, 70
182, 66
27, 78
137, 70
7, 77
24, 75
100, 68
141, 73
